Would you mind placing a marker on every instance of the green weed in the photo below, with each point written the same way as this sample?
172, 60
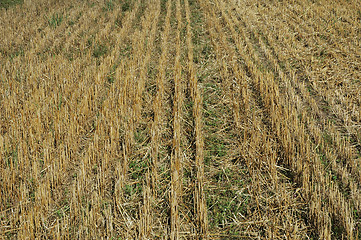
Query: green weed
100, 50
55, 20
126, 6
9, 3
109, 5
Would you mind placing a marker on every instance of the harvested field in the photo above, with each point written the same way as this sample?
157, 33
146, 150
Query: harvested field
180, 119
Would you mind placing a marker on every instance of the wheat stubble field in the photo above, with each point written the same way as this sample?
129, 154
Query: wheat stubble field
180, 119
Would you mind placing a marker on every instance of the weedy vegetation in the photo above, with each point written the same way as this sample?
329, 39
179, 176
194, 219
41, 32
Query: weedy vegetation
9, 3
180, 119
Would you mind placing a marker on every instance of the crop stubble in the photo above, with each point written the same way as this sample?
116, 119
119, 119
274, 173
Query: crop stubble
180, 119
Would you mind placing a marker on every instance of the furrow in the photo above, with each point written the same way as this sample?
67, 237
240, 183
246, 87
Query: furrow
176, 162
200, 202
146, 211
159, 98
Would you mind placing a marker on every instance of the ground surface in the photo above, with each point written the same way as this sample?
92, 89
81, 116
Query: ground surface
189, 119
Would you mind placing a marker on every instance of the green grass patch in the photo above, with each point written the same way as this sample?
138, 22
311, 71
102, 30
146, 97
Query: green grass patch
109, 5
55, 20
225, 201
132, 190
217, 147
126, 6
100, 50
9, 3
11, 157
